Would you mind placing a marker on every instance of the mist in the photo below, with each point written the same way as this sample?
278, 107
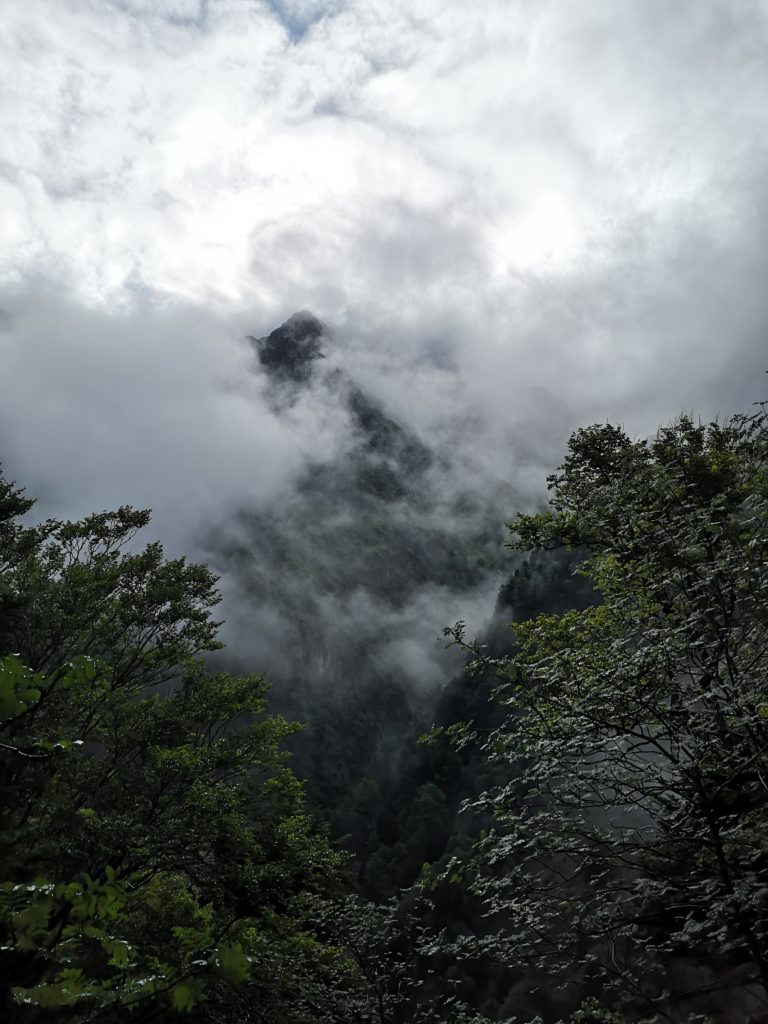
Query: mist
512, 221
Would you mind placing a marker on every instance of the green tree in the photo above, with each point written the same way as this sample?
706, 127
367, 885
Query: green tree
628, 854
155, 853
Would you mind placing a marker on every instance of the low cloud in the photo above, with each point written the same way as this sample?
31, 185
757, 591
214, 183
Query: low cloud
514, 218
159, 409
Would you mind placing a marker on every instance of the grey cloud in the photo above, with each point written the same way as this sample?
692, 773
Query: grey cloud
514, 217
160, 410
299, 16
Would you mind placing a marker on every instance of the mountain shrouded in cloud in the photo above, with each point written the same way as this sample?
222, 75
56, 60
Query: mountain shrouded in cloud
290, 350
347, 580
389, 456
381, 512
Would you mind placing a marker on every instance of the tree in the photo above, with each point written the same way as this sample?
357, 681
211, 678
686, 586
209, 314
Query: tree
155, 854
628, 855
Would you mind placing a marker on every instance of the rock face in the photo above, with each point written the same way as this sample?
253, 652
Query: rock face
374, 521
385, 459
361, 520
290, 350
343, 569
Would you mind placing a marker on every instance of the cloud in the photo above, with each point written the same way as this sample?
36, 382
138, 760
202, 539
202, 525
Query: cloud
479, 199
516, 216
159, 410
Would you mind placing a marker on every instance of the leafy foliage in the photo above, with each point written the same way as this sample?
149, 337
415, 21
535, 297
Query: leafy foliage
627, 856
608, 865
155, 855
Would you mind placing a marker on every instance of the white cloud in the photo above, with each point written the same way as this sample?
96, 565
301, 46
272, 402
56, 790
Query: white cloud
515, 215
161, 411
561, 195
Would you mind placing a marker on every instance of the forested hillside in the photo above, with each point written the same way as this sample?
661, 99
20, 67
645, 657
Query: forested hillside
350, 577
569, 825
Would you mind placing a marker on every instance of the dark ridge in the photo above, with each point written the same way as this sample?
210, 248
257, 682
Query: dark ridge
387, 457
289, 351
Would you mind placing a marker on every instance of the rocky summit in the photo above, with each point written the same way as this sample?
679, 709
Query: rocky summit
290, 350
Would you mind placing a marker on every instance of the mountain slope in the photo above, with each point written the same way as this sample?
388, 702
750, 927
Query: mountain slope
353, 575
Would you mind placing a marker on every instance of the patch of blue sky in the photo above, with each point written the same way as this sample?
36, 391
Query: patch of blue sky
183, 13
298, 16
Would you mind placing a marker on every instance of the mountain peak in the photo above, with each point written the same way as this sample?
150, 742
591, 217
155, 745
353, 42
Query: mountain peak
289, 351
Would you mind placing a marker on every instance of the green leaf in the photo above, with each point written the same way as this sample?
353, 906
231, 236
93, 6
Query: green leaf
185, 996
234, 965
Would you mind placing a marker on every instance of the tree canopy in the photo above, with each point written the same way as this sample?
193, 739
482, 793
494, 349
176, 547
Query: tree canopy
155, 853
610, 862
627, 858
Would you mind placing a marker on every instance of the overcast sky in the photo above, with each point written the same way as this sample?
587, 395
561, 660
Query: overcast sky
478, 198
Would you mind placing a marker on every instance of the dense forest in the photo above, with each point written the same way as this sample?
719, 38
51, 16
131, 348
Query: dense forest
573, 827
